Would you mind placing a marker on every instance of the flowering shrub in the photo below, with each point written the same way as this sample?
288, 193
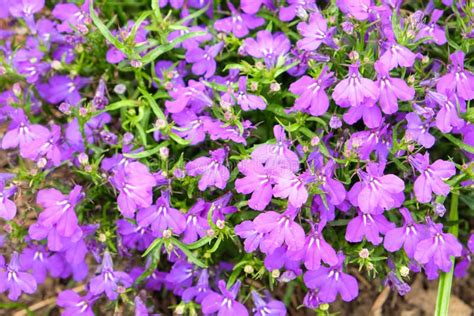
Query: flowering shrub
212, 157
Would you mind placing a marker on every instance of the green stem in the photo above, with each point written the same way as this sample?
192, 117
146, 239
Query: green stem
446, 279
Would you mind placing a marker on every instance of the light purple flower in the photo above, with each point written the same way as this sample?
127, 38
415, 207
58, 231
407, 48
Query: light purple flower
458, 79
370, 226
41, 262
203, 59
109, 280
397, 55
196, 224
162, 216
211, 170
193, 94
432, 178
407, 236
238, 23
258, 180
7, 206
331, 281
292, 186
46, 146
315, 33
278, 155
419, 130
246, 100
358, 9
448, 116
377, 192
268, 306
72, 16
74, 304
252, 237
62, 88
432, 29
15, 280
199, 291
270, 47
439, 247
224, 303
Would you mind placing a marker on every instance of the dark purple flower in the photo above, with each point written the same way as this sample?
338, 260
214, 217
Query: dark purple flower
200, 290
162, 216
211, 170
331, 281
40, 262
224, 303
270, 47
395, 283
432, 177
268, 306
15, 280
203, 59
74, 304
62, 88
408, 236
109, 280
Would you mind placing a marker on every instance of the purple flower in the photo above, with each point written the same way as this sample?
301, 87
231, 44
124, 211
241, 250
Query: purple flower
395, 283
396, 55
432, 177
279, 229
135, 184
211, 170
15, 280
369, 226
355, 90
377, 192
133, 235
438, 247
40, 262
391, 89
238, 23
332, 187
193, 94
458, 79
288, 185
267, 307
46, 146
109, 280
270, 47
419, 130
7, 206
448, 116
59, 210
62, 88
258, 180
224, 303
252, 237
316, 249
74, 304
162, 216
200, 290
358, 9
196, 225
246, 100
190, 126
432, 30
72, 16
26, 9
331, 281
252, 6
408, 236
315, 33
277, 156
312, 97
203, 59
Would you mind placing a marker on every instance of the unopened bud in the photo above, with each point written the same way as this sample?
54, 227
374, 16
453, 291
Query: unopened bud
425, 60
210, 233
220, 224
275, 273
167, 234
411, 79
315, 141
248, 269
259, 65
56, 65
404, 271
83, 111
254, 86
324, 307
16, 89
120, 88
364, 253
121, 289
83, 158
275, 87
8, 228
354, 56
102, 238
41, 163
370, 266
65, 108
160, 123
136, 63
164, 153
179, 310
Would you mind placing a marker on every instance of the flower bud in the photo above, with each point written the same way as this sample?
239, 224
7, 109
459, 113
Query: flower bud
56, 65
404, 271
275, 273
83, 111
259, 65
136, 63
220, 224
354, 56
16, 89
439, 209
41, 163
253, 86
179, 310
335, 122
164, 153
315, 141
167, 234
275, 87
120, 88
83, 158
102, 238
160, 123
248, 269
364, 253
210, 233
65, 108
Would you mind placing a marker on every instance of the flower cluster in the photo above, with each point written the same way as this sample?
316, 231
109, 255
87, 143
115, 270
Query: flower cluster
225, 153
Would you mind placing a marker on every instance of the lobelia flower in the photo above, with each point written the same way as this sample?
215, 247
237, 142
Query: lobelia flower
140, 307
391, 89
432, 178
331, 281
194, 41
407, 236
395, 283
448, 116
47, 146
193, 94
72, 16
369, 226
270, 47
196, 225
432, 30
21, 132
419, 130
458, 79
246, 100
252, 237
200, 290
376, 192
316, 249
62, 88
355, 90
332, 187
211, 170
224, 303
203, 59
135, 185
133, 235
7, 206
74, 304
315, 33
396, 55
190, 126
238, 23
41, 262
27, 62
109, 280
358, 9
175, 4
258, 180
268, 306
312, 97
438, 247
26, 9
114, 55
252, 6
461, 269
277, 156
311, 299
59, 210
220, 208
280, 229
291, 186
15, 280
161, 216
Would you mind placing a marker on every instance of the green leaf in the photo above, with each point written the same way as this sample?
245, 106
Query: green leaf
459, 143
120, 104
191, 256
178, 139
152, 102
155, 245
147, 153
